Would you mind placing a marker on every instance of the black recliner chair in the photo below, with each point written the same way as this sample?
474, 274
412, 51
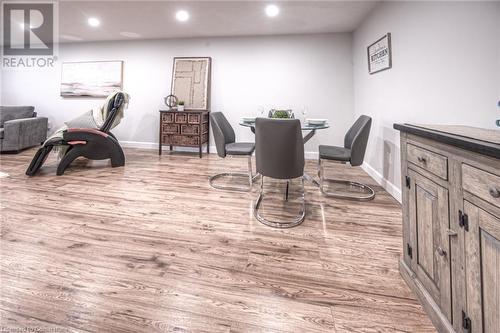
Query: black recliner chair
94, 144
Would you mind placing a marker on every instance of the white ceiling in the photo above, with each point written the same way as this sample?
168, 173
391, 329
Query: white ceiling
126, 20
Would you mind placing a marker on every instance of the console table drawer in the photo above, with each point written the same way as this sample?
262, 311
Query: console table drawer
428, 160
190, 129
167, 117
170, 128
481, 183
197, 118
194, 118
181, 118
182, 140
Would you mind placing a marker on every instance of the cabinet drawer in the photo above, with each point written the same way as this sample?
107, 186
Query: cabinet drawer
194, 118
180, 140
181, 118
428, 160
172, 139
190, 129
481, 183
170, 129
166, 139
167, 117
190, 140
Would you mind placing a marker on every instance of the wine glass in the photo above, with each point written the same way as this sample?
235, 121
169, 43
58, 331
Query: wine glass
303, 110
260, 109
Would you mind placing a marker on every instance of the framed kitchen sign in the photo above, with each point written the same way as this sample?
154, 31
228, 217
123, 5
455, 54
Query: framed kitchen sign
380, 55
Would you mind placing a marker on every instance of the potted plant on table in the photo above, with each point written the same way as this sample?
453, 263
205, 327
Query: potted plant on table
180, 106
281, 114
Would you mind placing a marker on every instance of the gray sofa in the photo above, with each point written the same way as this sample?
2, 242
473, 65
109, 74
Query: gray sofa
20, 128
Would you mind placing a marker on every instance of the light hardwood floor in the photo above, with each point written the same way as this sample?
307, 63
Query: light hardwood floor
150, 247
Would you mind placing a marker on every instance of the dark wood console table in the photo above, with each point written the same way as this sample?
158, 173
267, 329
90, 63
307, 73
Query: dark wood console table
184, 129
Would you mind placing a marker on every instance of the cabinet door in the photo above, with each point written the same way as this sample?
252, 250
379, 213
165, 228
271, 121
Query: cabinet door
482, 269
429, 222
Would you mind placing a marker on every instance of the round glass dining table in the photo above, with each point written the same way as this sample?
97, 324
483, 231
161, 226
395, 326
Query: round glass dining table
305, 127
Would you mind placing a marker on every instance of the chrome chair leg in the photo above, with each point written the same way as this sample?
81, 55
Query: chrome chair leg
280, 224
286, 189
248, 175
370, 193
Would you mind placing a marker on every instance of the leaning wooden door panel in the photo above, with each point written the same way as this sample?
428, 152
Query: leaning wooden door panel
482, 242
429, 222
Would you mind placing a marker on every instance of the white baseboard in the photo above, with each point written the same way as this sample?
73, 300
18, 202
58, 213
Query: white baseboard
387, 185
138, 144
154, 145
310, 155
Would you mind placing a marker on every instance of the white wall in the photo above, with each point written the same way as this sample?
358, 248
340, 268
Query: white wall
280, 71
446, 70
1, 83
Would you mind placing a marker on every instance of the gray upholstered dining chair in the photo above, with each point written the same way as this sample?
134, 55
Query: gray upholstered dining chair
355, 143
225, 144
279, 154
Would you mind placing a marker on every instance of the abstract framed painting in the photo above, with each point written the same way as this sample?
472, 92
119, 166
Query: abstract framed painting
191, 82
91, 78
380, 54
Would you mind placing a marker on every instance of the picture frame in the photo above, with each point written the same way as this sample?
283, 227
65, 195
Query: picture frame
191, 80
96, 79
379, 54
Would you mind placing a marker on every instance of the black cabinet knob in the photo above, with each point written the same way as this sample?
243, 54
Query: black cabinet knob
440, 251
494, 192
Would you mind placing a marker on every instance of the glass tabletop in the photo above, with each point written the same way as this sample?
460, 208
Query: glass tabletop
305, 127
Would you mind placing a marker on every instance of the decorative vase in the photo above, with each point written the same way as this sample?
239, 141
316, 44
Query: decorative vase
180, 107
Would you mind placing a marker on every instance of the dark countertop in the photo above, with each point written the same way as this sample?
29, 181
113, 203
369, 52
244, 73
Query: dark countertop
479, 140
185, 110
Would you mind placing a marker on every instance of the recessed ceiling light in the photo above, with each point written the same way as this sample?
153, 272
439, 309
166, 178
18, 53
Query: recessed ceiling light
94, 22
272, 10
182, 16
130, 34
71, 38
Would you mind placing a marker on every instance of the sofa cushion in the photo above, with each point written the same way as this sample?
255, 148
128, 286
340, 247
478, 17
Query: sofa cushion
15, 112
